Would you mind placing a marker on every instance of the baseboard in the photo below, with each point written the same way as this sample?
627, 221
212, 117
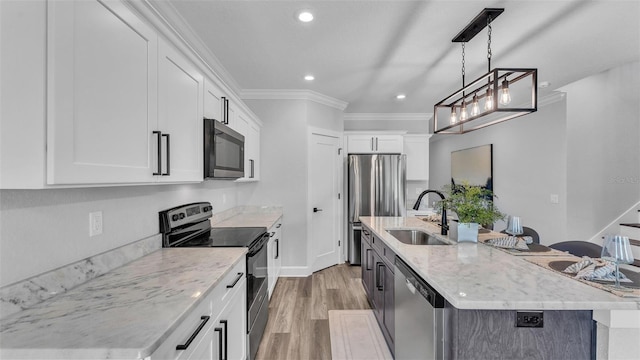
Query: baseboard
295, 271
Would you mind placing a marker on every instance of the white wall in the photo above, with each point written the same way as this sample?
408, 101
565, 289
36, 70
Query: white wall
603, 157
529, 164
410, 126
41, 230
283, 177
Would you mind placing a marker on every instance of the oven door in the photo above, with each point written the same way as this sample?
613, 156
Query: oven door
256, 278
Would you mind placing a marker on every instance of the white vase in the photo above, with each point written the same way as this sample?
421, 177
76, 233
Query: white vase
468, 232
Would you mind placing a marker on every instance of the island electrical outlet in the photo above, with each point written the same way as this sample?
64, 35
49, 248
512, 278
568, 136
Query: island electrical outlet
533, 319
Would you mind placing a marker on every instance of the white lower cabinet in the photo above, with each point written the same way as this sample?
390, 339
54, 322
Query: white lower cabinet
217, 328
274, 259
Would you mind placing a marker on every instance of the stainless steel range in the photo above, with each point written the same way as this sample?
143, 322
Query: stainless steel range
189, 226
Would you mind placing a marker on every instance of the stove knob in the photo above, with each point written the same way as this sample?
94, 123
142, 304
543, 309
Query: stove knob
175, 217
206, 208
181, 215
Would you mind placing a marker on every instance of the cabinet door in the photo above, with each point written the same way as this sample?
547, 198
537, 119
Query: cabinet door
180, 88
233, 321
271, 262
417, 149
367, 262
213, 101
389, 303
101, 94
388, 144
378, 287
206, 348
254, 151
360, 144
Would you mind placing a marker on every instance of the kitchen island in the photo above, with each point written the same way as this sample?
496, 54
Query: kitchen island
479, 277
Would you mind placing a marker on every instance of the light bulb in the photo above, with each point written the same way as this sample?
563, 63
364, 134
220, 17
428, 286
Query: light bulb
463, 111
454, 116
475, 108
488, 102
505, 96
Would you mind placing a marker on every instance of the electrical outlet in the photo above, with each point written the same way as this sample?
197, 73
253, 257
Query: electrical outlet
554, 198
533, 319
95, 223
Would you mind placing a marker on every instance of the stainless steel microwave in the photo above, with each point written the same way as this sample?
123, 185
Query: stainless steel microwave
223, 151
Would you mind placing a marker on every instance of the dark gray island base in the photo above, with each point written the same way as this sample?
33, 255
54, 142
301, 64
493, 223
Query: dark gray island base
492, 334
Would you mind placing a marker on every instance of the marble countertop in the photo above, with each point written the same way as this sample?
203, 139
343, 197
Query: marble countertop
478, 276
252, 217
126, 313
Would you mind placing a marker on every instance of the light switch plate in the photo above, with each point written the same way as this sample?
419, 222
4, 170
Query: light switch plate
95, 223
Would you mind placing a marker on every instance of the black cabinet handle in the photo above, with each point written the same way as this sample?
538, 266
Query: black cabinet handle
219, 331
235, 281
226, 337
372, 144
278, 227
272, 233
184, 346
315, 210
159, 172
365, 232
168, 156
379, 284
277, 248
225, 113
366, 254
252, 174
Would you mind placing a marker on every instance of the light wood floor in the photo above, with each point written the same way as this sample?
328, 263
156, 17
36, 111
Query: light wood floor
298, 327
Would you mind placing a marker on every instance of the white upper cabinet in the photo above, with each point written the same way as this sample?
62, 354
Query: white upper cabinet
180, 89
251, 131
102, 100
374, 143
214, 101
417, 149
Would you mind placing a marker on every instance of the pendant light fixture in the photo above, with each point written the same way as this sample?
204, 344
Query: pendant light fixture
505, 93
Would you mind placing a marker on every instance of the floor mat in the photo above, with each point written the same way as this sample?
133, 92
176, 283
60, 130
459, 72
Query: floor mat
355, 335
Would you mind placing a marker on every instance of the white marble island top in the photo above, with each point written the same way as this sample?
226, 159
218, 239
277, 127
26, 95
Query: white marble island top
478, 276
126, 313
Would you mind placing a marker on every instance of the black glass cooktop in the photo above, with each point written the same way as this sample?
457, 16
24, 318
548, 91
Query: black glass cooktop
227, 237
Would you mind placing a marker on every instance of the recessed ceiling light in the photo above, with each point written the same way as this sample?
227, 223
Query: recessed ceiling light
305, 16
401, 96
544, 84
309, 77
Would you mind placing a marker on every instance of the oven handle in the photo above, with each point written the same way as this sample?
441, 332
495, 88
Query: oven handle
235, 281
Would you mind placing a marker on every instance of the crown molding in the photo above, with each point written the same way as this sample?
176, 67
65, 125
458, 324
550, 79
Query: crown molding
292, 94
387, 116
551, 98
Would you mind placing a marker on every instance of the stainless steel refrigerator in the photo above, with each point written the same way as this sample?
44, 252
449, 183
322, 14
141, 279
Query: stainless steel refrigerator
376, 188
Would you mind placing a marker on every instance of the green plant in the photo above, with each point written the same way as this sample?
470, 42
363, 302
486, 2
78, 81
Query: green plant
472, 204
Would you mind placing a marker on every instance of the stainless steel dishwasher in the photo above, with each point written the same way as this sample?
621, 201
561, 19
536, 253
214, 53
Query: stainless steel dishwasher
419, 312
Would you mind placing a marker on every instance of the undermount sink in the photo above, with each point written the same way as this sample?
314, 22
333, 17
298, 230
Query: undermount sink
415, 237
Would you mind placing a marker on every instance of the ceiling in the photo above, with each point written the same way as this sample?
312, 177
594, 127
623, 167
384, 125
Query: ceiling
366, 52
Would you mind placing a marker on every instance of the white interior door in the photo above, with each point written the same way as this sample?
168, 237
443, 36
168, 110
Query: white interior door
324, 189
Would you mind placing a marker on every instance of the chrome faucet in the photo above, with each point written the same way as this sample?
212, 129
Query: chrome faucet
443, 222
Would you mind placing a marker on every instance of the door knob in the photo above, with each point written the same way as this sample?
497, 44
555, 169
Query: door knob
315, 209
